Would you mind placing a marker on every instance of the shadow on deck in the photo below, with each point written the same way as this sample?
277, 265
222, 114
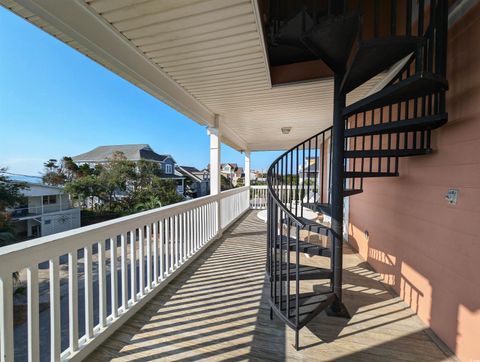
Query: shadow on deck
217, 309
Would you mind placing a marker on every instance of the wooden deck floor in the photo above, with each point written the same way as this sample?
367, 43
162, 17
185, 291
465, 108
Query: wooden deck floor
217, 310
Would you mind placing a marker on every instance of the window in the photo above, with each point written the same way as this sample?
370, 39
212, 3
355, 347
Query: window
168, 168
49, 199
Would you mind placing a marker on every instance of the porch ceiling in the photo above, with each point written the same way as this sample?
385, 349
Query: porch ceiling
202, 57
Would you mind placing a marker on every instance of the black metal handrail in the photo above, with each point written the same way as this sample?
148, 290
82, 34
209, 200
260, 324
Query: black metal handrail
273, 174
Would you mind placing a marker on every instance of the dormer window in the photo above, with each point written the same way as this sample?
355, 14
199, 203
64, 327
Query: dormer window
168, 168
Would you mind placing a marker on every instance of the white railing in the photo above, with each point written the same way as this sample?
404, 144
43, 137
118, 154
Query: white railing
258, 194
258, 197
139, 254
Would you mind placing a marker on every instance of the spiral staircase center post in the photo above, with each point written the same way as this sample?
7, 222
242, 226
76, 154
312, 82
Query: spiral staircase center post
338, 133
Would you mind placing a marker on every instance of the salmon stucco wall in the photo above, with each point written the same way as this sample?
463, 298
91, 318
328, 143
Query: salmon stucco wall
427, 249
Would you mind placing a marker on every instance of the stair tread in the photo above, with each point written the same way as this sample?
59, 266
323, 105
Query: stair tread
371, 57
407, 125
358, 174
417, 85
287, 47
387, 153
310, 304
332, 38
291, 31
351, 192
306, 272
304, 246
319, 207
312, 225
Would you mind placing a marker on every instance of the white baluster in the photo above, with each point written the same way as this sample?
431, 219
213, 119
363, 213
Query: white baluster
113, 276
133, 266
190, 233
141, 262
6, 318
176, 241
33, 314
167, 223
201, 227
180, 238
88, 292
161, 240
72, 301
102, 285
55, 331
155, 253
171, 241
195, 229
123, 244
149, 258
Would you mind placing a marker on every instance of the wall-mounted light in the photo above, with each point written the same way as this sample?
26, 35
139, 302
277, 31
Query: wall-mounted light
286, 130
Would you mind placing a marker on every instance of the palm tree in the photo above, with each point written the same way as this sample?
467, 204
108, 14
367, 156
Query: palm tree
152, 203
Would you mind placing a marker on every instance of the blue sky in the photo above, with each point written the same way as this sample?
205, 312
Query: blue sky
56, 102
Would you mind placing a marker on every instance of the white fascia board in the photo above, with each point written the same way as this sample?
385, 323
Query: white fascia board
78, 21
228, 136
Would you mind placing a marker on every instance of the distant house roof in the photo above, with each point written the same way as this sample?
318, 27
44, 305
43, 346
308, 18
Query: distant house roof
312, 165
131, 152
232, 165
34, 180
190, 169
34, 185
191, 172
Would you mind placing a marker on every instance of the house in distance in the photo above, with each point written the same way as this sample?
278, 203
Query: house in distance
135, 153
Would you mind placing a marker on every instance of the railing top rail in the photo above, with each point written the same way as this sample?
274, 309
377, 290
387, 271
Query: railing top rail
19, 255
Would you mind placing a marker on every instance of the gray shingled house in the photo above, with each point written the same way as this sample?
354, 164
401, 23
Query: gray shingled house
135, 152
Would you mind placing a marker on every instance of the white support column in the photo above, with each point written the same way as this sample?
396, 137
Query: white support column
214, 160
215, 184
247, 168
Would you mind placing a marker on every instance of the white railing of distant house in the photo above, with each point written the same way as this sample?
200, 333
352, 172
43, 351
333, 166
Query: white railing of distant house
38, 210
158, 243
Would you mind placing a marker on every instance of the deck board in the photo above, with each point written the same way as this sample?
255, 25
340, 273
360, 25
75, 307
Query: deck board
217, 310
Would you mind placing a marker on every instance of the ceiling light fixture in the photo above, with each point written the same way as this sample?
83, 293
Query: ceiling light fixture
286, 130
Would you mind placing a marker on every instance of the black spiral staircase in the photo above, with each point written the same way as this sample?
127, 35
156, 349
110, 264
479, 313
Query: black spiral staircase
357, 40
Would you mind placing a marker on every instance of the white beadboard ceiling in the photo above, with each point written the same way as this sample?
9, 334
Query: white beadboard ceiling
202, 57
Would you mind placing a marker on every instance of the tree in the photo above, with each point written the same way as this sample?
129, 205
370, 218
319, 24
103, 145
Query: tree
70, 168
84, 188
240, 182
119, 185
115, 179
152, 203
53, 173
10, 196
225, 183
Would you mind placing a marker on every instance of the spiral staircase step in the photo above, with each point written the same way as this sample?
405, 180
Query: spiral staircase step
407, 125
419, 84
371, 57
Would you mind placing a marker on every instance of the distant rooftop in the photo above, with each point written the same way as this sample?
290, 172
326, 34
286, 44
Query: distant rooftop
24, 178
190, 169
132, 152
